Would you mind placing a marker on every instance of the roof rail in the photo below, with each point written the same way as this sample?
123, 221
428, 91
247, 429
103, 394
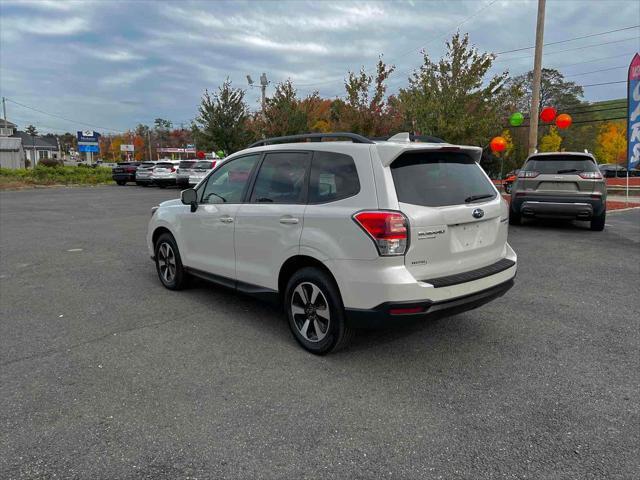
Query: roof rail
314, 137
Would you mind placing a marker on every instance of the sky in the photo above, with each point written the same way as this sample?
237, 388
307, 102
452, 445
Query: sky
109, 65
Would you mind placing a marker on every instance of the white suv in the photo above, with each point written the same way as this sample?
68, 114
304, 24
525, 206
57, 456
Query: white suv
343, 234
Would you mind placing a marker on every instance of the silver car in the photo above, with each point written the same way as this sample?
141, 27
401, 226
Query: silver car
164, 173
200, 170
143, 173
560, 184
184, 171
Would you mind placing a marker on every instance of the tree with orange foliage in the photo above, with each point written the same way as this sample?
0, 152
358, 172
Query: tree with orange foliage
612, 143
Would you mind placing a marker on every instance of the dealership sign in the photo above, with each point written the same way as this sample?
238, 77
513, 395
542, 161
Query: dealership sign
86, 147
176, 150
88, 136
633, 124
126, 148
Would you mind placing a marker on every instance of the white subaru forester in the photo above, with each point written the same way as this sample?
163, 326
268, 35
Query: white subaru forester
343, 234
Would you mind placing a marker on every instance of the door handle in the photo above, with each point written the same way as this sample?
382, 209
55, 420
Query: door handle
226, 219
289, 220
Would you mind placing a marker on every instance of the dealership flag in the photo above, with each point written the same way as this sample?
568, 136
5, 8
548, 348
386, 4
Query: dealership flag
633, 125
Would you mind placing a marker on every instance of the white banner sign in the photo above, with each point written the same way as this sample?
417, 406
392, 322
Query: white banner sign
126, 148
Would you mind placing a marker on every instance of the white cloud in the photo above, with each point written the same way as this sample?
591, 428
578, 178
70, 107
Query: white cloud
14, 26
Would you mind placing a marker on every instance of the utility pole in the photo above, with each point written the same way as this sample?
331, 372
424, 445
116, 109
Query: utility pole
537, 77
149, 143
4, 112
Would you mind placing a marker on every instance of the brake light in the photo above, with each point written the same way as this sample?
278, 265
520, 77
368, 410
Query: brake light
173, 169
591, 175
529, 174
213, 164
387, 229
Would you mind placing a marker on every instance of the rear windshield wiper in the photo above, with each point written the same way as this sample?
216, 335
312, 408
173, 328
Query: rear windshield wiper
473, 198
570, 170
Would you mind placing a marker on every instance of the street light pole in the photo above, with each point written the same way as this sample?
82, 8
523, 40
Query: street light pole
537, 77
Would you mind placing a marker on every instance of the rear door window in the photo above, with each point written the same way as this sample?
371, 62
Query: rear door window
282, 178
436, 179
333, 177
560, 164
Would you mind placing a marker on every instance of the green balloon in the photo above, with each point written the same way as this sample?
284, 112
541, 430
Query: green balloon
220, 153
516, 119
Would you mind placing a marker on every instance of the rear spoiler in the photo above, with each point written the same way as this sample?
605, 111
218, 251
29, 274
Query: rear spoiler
389, 152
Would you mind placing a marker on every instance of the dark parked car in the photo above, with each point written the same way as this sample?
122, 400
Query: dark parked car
125, 172
612, 170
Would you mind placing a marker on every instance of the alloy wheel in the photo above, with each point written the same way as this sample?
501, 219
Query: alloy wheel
310, 312
167, 262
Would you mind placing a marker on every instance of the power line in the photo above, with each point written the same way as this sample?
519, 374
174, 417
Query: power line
61, 117
597, 60
576, 122
568, 40
572, 49
595, 71
604, 83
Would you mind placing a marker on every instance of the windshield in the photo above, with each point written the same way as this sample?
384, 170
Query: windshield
560, 164
436, 179
187, 164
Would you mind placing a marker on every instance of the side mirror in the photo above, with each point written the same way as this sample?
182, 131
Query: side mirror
190, 197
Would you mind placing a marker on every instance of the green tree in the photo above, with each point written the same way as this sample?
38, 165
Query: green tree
31, 130
366, 110
283, 113
551, 141
452, 98
222, 121
555, 91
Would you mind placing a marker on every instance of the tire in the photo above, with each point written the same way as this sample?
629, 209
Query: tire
597, 223
317, 333
167, 254
162, 185
121, 183
514, 217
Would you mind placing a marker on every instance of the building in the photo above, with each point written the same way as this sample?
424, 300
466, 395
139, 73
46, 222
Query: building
39, 147
11, 151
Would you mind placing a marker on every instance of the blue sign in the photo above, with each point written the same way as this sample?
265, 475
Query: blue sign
633, 124
88, 136
89, 148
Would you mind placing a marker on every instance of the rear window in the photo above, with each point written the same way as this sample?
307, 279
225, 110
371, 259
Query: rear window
164, 165
436, 179
204, 164
333, 177
559, 164
147, 164
187, 164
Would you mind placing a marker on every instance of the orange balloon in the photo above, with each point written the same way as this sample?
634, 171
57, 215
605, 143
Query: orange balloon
564, 120
498, 144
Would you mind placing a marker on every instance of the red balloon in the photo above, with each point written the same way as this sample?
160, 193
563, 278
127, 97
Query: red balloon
498, 144
548, 114
200, 154
564, 120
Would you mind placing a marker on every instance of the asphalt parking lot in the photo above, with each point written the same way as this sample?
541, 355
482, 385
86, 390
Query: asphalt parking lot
105, 374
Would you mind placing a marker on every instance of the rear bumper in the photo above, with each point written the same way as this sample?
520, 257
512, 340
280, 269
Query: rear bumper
382, 316
182, 181
581, 207
164, 181
124, 177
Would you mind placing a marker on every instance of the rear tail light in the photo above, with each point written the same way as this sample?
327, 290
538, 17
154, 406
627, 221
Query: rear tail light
523, 174
173, 169
591, 175
213, 164
387, 229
